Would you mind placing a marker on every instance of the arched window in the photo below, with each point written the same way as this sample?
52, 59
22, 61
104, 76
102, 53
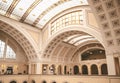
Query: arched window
53, 82
33, 81
84, 69
104, 70
93, 54
65, 82
65, 69
76, 69
0, 81
2, 46
13, 82
59, 69
25, 82
44, 81
9, 51
94, 69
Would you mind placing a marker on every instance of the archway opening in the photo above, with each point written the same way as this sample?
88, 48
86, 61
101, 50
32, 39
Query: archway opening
59, 69
76, 70
94, 70
13, 82
84, 70
65, 69
104, 70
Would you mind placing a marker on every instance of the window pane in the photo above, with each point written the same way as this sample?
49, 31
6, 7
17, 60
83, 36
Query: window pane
10, 53
2, 46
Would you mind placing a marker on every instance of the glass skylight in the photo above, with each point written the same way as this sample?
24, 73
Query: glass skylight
36, 12
21, 7
60, 8
85, 40
4, 5
79, 38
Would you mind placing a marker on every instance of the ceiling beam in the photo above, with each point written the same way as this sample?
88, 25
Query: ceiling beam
11, 8
34, 4
48, 10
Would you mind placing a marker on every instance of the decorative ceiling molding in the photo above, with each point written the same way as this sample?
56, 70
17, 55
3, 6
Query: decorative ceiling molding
12, 7
34, 4
48, 9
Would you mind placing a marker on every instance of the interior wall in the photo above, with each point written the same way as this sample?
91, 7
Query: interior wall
19, 65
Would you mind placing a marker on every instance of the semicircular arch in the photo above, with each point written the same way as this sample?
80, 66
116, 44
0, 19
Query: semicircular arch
65, 32
21, 36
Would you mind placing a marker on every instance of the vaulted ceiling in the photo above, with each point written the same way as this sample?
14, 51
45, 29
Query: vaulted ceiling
36, 12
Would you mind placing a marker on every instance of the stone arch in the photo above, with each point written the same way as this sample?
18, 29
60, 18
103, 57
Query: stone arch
33, 81
13, 81
76, 70
83, 48
59, 69
65, 69
65, 32
24, 81
84, 70
94, 69
104, 70
44, 81
93, 48
21, 36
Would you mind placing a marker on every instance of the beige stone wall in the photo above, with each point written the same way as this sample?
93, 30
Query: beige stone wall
59, 79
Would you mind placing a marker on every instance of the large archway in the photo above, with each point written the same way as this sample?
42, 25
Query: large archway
19, 35
62, 37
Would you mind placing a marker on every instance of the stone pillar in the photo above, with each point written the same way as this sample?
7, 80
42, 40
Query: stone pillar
111, 65
99, 70
62, 69
119, 60
29, 69
89, 70
38, 68
80, 69
56, 69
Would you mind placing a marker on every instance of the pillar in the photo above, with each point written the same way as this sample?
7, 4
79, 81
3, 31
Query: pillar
111, 65
38, 68
99, 70
29, 69
89, 70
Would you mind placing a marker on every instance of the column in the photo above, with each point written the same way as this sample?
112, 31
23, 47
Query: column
89, 70
80, 69
56, 69
62, 66
99, 70
38, 68
29, 69
111, 65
